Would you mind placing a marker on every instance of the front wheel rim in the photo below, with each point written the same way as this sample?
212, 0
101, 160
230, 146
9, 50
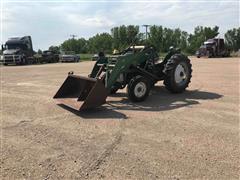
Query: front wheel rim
140, 89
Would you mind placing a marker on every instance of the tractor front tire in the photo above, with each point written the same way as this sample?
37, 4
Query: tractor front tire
138, 88
178, 73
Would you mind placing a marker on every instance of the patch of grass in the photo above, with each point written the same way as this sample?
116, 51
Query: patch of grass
85, 57
162, 54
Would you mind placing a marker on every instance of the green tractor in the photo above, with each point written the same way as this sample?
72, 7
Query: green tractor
138, 68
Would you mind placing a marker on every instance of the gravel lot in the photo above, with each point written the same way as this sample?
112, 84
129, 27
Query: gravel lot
184, 136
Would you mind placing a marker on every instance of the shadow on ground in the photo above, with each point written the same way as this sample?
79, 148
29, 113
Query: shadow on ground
97, 113
159, 100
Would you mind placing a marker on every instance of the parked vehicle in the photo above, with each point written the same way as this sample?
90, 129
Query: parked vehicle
69, 56
18, 50
213, 48
49, 57
95, 57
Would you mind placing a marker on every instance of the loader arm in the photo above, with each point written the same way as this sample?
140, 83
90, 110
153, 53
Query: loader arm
122, 65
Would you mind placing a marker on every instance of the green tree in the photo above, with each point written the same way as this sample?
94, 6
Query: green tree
55, 49
115, 36
82, 45
123, 37
232, 38
168, 39
76, 45
156, 37
184, 41
132, 34
39, 51
100, 42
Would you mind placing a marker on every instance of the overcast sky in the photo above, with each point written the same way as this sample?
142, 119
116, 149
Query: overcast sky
52, 22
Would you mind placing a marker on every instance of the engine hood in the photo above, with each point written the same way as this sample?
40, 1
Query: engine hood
11, 51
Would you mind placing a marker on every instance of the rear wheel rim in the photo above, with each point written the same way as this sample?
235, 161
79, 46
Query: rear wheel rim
180, 74
140, 89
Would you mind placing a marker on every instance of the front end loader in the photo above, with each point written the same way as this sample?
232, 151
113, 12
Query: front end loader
137, 67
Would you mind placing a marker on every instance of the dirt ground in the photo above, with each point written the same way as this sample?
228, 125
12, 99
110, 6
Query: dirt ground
169, 136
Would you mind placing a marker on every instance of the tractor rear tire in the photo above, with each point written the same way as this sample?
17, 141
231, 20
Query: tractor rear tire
178, 73
138, 88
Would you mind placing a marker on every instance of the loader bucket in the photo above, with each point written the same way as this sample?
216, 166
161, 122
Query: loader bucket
81, 93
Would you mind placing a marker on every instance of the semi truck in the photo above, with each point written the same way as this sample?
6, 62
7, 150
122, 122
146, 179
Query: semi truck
18, 50
213, 48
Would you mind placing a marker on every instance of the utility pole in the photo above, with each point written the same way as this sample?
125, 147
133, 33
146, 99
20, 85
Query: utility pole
73, 36
146, 27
